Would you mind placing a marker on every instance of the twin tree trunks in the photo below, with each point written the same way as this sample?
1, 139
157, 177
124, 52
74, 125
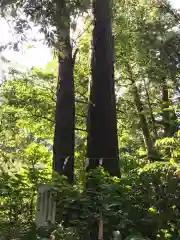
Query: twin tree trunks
102, 140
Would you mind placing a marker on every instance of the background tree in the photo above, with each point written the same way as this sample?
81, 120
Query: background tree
142, 63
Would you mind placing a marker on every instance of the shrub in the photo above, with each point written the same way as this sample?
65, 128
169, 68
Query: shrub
144, 203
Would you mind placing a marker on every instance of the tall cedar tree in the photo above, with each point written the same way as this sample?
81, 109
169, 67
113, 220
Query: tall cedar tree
102, 124
63, 148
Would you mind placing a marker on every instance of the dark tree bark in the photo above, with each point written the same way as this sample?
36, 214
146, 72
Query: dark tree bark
102, 124
63, 149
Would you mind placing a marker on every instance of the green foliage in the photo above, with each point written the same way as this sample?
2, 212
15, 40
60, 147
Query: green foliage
55, 18
142, 30
18, 192
170, 147
25, 155
144, 203
64, 233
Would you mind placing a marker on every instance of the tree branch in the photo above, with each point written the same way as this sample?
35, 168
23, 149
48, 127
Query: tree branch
74, 56
79, 129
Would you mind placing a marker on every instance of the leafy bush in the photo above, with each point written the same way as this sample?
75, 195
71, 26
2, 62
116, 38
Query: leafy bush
145, 203
18, 192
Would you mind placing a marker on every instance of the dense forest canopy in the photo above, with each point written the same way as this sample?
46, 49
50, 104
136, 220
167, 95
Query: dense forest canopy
100, 123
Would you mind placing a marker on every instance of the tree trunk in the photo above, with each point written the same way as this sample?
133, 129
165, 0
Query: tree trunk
63, 149
102, 125
165, 114
144, 125
151, 113
169, 116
